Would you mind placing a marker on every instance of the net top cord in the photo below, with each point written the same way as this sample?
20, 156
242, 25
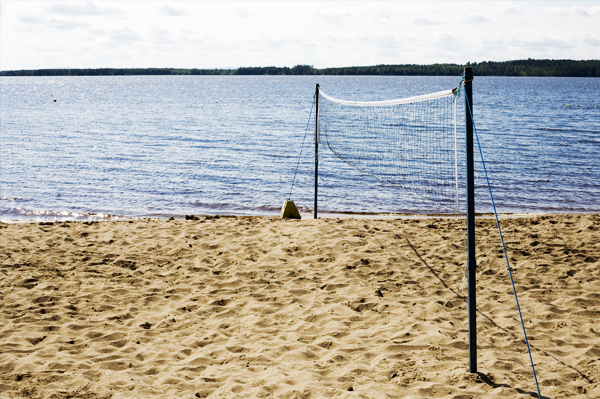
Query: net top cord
407, 100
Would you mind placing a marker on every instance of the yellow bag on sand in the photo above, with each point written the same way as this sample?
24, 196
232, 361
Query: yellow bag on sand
289, 210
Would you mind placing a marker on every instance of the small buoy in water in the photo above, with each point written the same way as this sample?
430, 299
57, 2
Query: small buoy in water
54, 100
568, 105
289, 210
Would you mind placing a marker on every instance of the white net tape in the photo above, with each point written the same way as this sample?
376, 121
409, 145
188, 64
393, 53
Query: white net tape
407, 100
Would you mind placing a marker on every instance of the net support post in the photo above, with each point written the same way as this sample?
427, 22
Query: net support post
471, 263
317, 139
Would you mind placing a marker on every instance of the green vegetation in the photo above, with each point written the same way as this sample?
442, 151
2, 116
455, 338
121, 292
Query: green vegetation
562, 68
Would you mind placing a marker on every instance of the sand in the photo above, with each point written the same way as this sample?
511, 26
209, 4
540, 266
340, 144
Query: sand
263, 307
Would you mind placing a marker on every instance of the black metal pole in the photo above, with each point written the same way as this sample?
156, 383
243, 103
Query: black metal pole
471, 263
316, 148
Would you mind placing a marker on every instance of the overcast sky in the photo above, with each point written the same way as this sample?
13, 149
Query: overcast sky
230, 34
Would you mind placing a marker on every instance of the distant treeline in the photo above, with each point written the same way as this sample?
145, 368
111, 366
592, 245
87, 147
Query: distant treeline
562, 68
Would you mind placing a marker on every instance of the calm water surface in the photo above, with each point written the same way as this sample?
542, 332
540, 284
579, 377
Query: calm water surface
176, 145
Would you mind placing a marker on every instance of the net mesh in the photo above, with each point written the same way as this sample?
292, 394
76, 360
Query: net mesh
410, 144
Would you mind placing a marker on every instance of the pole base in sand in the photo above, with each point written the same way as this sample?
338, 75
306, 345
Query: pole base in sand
289, 210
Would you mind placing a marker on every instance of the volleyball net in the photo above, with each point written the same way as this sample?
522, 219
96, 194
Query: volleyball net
409, 143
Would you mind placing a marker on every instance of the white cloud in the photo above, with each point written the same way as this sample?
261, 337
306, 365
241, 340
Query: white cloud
383, 41
75, 8
171, 11
577, 11
54, 23
541, 41
243, 12
65, 24
509, 8
97, 32
475, 18
427, 20
31, 19
335, 15
592, 40
161, 35
363, 13
446, 41
125, 35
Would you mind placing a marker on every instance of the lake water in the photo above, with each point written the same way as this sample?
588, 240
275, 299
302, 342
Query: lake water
160, 146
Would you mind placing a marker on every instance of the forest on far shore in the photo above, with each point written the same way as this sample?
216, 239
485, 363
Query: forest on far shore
557, 68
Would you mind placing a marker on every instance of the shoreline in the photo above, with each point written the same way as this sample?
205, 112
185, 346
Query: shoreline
305, 216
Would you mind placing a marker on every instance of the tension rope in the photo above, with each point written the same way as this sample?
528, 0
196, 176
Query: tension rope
301, 148
503, 246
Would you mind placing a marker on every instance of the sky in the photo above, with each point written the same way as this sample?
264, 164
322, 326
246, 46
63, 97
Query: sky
232, 34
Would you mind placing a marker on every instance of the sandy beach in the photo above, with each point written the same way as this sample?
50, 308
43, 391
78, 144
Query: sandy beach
226, 307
